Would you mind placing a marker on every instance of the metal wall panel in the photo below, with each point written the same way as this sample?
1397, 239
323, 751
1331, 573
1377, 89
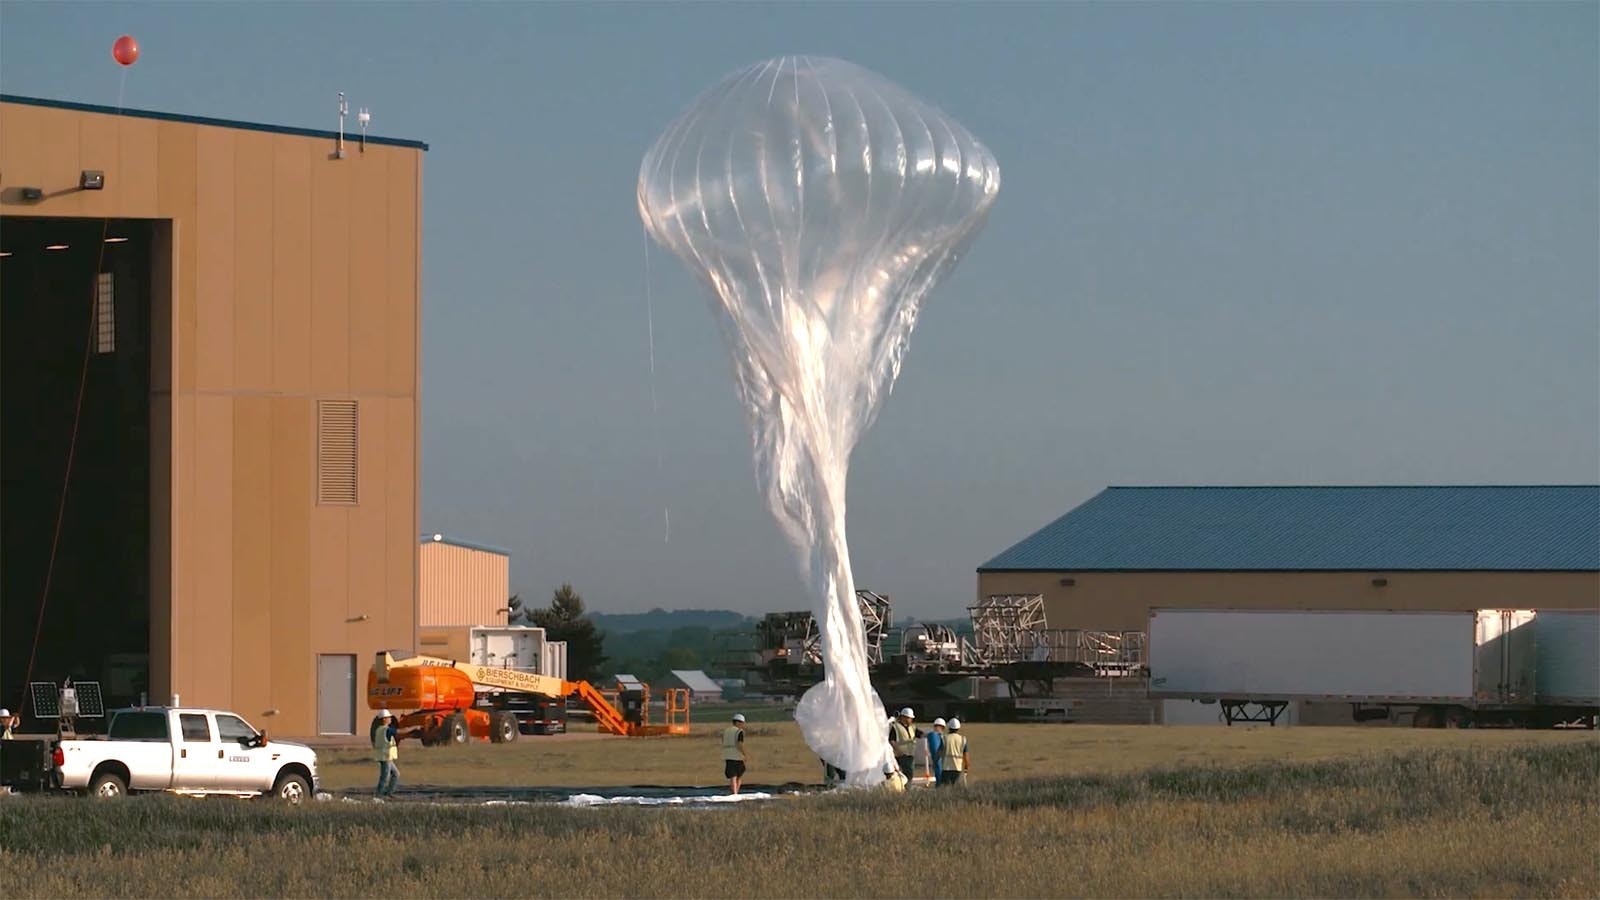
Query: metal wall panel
462, 585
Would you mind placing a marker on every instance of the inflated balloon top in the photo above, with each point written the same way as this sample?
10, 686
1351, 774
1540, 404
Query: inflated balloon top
809, 184
820, 203
125, 51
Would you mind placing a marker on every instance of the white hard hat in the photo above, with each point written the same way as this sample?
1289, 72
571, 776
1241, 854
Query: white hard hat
738, 717
384, 714
906, 711
5, 713
954, 724
938, 721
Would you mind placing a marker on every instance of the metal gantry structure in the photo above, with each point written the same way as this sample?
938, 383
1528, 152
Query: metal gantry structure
1006, 627
794, 637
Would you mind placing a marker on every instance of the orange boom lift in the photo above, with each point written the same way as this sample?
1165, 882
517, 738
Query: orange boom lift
446, 700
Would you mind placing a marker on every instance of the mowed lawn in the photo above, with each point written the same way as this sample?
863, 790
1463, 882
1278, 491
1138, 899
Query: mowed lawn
1000, 752
1463, 814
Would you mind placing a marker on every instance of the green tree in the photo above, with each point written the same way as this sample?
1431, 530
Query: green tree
564, 620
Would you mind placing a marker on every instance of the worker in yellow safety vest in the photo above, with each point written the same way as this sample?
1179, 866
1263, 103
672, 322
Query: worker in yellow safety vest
386, 750
733, 755
903, 739
953, 757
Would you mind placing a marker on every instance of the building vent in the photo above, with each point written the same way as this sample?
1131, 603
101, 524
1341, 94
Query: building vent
338, 445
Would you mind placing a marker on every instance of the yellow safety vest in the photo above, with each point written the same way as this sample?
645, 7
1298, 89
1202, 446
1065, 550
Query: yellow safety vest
384, 748
954, 756
903, 738
730, 742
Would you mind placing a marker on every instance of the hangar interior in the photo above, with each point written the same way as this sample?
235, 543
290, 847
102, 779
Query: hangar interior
76, 301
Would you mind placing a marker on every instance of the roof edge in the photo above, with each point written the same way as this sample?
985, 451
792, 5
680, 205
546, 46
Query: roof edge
437, 538
206, 120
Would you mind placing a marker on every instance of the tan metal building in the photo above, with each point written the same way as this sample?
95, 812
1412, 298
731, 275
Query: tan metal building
1105, 564
462, 586
217, 322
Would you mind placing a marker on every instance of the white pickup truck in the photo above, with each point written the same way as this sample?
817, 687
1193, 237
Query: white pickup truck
186, 751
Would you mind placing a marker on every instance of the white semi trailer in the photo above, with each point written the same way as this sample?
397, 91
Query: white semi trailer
1491, 667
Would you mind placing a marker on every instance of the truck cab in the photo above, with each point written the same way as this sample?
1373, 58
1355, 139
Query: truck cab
187, 751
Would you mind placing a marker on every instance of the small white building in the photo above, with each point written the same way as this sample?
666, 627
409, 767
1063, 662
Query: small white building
702, 689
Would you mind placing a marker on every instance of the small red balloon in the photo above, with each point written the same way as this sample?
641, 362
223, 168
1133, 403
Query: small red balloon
126, 50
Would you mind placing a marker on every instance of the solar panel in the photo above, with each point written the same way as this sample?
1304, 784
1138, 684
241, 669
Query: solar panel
46, 699
91, 704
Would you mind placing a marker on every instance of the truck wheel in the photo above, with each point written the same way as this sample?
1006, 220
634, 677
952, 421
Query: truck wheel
456, 731
108, 786
291, 789
503, 729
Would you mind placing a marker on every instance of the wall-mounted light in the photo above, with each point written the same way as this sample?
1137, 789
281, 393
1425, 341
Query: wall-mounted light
55, 248
270, 712
92, 180
1068, 582
116, 240
4, 253
31, 194
361, 618
1380, 582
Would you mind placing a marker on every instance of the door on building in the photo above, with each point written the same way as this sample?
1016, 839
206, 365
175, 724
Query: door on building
336, 694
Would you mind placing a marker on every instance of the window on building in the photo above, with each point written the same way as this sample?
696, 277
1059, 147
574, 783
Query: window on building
105, 313
338, 452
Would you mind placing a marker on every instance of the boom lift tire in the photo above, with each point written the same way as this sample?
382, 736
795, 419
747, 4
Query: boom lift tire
503, 729
456, 731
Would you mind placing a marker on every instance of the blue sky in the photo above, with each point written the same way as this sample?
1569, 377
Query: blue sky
1235, 243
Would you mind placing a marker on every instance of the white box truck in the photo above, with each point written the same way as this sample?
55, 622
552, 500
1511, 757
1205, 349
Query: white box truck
1440, 668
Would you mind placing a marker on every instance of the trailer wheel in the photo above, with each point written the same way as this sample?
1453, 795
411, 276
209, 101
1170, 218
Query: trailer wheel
108, 786
503, 728
456, 730
1426, 717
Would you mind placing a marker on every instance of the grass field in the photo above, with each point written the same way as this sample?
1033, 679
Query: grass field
779, 756
1477, 815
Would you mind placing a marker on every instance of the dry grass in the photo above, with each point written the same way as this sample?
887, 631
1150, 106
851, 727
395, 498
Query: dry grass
779, 756
1487, 821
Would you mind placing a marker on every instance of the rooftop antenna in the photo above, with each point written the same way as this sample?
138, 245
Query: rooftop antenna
344, 110
363, 117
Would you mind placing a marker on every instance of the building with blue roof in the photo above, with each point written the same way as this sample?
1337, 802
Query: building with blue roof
1105, 563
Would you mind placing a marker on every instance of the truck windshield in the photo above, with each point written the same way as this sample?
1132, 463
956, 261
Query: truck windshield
233, 728
139, 726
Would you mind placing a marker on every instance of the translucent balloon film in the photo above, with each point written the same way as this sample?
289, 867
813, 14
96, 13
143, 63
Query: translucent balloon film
820, 203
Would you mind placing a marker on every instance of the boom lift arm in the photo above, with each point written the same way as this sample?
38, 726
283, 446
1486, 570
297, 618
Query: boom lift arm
432, 684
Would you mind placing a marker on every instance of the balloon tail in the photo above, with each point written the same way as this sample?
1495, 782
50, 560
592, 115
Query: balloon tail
655, 406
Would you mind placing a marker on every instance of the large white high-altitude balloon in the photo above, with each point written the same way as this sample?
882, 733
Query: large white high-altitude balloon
820, 202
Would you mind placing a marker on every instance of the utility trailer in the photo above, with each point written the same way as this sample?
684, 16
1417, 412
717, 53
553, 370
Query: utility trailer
1442, 668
